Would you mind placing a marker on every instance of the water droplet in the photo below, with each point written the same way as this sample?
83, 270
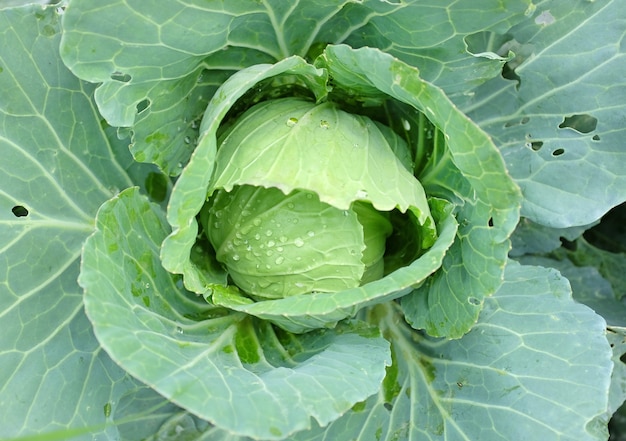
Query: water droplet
217, 225
270, 243
324, 124
236, 257
292, 122
187, 140
147, 286
179, 330
283, 239
279, 260
257, 236
256, 221
218, 213
268, 233
309, 196
298, 242
406, 124
310, 233
290, 205
279, 249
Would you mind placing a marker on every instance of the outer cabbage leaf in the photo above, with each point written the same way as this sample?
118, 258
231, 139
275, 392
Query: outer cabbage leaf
226, 367
535, 363
466, 168
453, 43
590, 288
57, 167
159, 62
560, 125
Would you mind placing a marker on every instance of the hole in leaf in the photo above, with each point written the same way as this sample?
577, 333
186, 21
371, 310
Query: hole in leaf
19, 211
568, 244
509, 74
610, 233
581, 123
388, 406
558, 152
119, 76
536, 145
596, 138
490, 222
519, 53
143, 105
156, 186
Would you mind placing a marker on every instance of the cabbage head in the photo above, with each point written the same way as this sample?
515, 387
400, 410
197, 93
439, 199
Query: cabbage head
275, 234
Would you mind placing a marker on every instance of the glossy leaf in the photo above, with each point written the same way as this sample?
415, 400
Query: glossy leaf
58, 166
557, 122
237, 372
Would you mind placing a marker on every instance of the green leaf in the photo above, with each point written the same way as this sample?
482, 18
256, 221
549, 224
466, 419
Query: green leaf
318, 310
535, 363
532, 238
235, 371
559, 125
149, 55
269, 262
466, 168
455, 45
191, 190
58, 166
592, 289
161, 64
341, 150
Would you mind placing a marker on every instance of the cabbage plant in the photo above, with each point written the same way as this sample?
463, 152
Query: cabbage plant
312, 220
